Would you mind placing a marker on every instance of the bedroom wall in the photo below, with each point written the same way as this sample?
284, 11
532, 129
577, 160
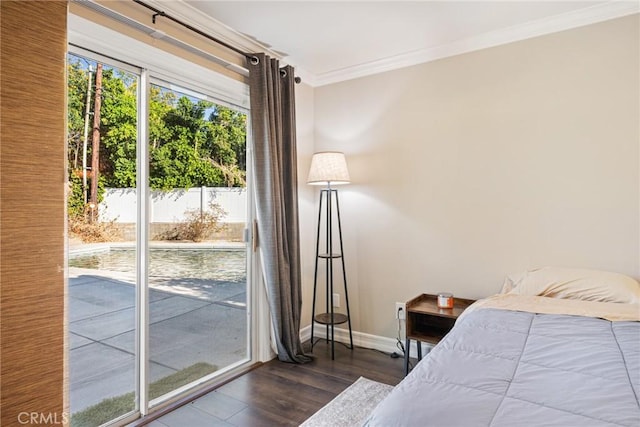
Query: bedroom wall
473, 167
306, 195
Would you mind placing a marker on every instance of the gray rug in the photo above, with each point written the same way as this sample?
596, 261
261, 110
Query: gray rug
351, 407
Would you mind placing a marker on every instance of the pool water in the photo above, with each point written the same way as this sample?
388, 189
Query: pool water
214, 264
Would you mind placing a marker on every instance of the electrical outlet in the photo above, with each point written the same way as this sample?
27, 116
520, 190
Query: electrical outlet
401, 313
336, 300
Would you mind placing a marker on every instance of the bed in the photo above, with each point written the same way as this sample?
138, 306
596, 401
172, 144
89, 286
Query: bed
559, 347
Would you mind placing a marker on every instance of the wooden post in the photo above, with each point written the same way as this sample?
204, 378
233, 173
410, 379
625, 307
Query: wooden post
95, 145
86, 137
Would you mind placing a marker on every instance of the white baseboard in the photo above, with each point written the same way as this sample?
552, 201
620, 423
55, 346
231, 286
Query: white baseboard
361, 339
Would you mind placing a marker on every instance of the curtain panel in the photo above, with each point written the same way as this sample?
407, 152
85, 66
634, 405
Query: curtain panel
273, 123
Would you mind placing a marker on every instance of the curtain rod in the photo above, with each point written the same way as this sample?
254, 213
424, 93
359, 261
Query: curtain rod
158, 12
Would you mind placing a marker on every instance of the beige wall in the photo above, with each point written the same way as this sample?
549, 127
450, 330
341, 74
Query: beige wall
469, 168
306, 194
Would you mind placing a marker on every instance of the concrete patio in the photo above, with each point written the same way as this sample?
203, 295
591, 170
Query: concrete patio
191, 321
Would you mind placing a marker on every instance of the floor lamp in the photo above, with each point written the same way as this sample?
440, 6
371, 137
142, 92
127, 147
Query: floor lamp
329, 169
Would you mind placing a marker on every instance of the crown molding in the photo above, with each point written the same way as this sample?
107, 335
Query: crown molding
553, 24
586, 16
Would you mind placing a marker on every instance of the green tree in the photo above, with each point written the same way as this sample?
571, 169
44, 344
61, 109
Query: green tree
191, 142
161, 102
76, 99
118, 129
227, 144
180, 161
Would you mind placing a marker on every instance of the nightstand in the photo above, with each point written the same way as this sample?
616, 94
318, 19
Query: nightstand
427, 323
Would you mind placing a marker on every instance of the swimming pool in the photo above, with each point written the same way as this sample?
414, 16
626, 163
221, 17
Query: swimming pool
211, 264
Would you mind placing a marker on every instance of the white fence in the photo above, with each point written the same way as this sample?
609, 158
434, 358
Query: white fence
120, 204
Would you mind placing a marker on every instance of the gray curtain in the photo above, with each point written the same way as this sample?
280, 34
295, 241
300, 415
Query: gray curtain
273, 124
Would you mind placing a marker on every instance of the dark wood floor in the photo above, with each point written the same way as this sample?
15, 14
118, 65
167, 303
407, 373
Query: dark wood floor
284, 394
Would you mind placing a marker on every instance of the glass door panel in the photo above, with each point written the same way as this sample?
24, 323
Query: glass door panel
197, 278
102, 133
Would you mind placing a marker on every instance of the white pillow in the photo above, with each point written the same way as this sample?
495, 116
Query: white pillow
571, 283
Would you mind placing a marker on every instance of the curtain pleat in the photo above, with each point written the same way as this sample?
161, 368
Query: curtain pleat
273, 124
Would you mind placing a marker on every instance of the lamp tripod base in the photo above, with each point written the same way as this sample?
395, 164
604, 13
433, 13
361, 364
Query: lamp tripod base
330, 318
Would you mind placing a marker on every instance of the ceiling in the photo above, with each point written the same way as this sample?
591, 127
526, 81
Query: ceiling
330, 41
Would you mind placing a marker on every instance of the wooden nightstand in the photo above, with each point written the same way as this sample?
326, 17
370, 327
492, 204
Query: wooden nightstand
427, 323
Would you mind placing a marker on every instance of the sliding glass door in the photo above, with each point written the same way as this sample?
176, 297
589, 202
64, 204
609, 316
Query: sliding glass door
158, 296
197, 273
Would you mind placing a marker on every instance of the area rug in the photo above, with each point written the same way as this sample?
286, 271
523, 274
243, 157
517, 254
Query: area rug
351, 407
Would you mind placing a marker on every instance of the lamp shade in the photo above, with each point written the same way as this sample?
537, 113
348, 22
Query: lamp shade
329, 167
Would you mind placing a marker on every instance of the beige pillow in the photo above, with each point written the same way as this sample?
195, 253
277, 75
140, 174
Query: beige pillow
570, 283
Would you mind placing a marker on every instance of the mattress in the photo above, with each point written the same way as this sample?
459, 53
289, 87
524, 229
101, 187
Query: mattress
501, 367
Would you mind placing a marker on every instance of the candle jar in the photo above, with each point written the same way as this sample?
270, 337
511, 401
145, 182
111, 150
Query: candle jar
445, 300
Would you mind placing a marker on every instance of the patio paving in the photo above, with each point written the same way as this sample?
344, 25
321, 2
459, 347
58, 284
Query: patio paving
191, 321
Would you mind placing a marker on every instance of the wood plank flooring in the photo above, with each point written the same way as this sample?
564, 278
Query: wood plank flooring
284, 394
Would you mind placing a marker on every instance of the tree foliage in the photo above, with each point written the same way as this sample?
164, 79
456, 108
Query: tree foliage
192, 142
77, 83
